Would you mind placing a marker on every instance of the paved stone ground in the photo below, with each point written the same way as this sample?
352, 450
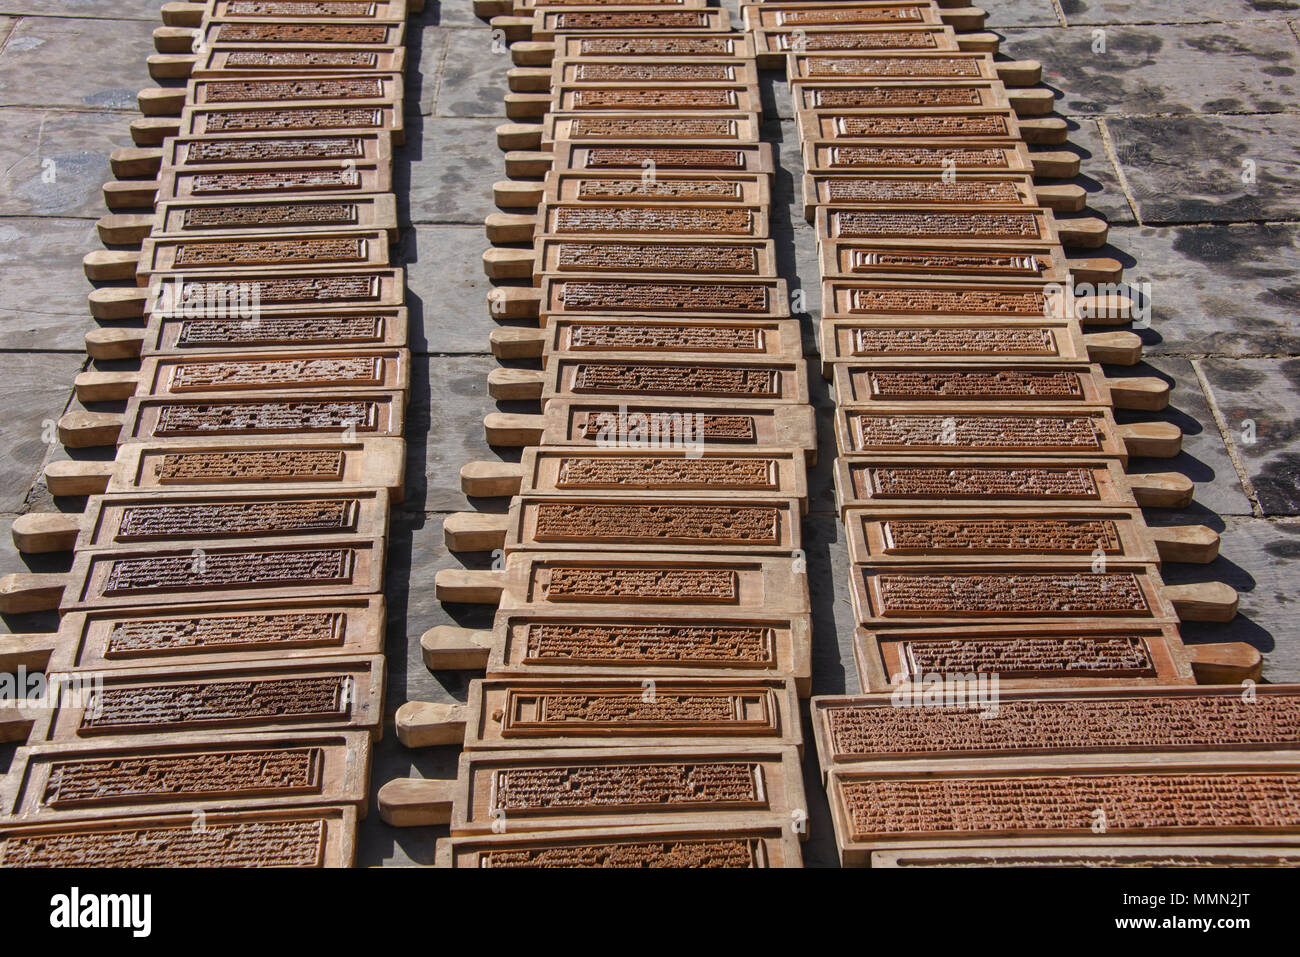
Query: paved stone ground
1166, 106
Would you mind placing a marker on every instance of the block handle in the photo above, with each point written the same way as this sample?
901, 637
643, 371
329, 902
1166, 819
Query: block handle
505, 228
66, 477
475, 531
38, 533
517, 342
1157, 440
416, 802
515, 302
88, 430
1162, 489
1225, 662
512, 430
425, 724
1206, 601
114, 343
448, 648
469, 586
1145, 393
506, 263
1194, 544
1114, 348
105, 386
519, 136
532, 53
491, 479
519, 385
22, 593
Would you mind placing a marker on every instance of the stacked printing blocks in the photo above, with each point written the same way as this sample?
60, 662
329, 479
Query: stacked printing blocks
992, 526
652, 635
224, 608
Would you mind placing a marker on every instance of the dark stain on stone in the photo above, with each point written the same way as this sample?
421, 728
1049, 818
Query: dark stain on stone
1278, 488
1236, 250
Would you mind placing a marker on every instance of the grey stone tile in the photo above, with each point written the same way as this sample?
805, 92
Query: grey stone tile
1227, 290
45, 62
473, 75
446, 290
1197, 169
1245, 67
425, 53
100, 9
1185, 11
34, 391
44, 306
1259, 400
1021, 13
447, 173
54, 163
452, 13
1097, 172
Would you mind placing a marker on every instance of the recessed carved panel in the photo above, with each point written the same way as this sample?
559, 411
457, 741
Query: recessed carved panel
657, 257
271, 215
299, 88
271, 252
224, 519
287, 330
643, 336
888, 97
134, 638
617, 378
670, 853
687, 524
594, 643
650, 127
268, 373
971, 482
912, 157
597, 472
296, 118
586, 584
653, 219
894, 66
923, 384
634, 157
672, 426
647, 785
272, 149
306, 415
252, 465
863, 189
945, 341
1043, 593
264, 567
301, 33
180, 705
671, 297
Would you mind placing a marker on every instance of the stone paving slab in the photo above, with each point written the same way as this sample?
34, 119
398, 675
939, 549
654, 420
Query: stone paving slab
53, 162
34, 63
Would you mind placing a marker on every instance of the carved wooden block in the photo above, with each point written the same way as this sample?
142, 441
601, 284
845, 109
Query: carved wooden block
1024, 655
283, 151
970, 189
952, 226
1022, 341
522, 7
126, 519
326, 10
723, 298
655, 585
583, 98
225, 59
319, 837
1085, 855
827, 93
285, 34
755, 338
383, 88
971, 386
337, 372
918, 481
688, 158
157, 575
746, 189
911, 66
840, 124
912, 259
342, 177
530, 792
1049, 431
724, 127
264, 631
177, 773
658, 70
644, 220
612, 713
659, 44
638, 847
673, 644
961, 156
230, 294
333, 115
941, 594
266, 255
772, 46
334, 693
1030, 536
299, 330
582, 423
268, 214
689, 257
642, 377
548, 23
835, 15
754, 524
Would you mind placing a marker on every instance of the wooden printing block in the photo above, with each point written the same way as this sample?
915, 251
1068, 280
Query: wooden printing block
112, 521
282, 151
671, 645
903, 480
226, 59
174, 774
722, 159
586, 98
752, 524
340, 372
754, 338
937, 534
946, 127
1212, 798
829, 93
698, 585
745, 189
292, 34
308, 416
868, 258
335, 693
326, 10
658, 44
158, 575
946, 226
1052, 431
823, 16
973, 189
285, 90
944, 338
749, 846
1024, 655
534, 791
645, 378
548, 23
300, 330
696, 221
308, 837
720, 129
264, 631
1081, 855
177, 295
265, 254
822, 157
611, 713
337, 178
669, 471
326, 115
216, 217
635, 424
246, 464
962, 594
701, 72
772, 46
680, 257
970, 386
897, 66
606, 295
522, 7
